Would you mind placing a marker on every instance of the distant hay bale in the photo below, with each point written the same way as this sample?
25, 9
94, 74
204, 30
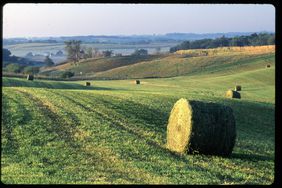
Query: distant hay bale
268, 66
30, 77
198, 127
233, 94
137, 81
87, 84
238, 88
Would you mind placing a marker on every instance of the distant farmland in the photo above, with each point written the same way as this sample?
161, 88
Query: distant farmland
41, 48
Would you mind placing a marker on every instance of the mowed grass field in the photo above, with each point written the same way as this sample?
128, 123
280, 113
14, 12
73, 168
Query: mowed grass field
114, 132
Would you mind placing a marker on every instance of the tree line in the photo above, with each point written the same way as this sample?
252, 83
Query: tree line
76, 52
251, 40
15, 64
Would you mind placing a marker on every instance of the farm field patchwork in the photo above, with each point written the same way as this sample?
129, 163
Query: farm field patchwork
41, 48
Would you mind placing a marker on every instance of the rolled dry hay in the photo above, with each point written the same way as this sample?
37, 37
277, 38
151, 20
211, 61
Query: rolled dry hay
233, 94
137, 81
238, 88
268, 66
197, 127
87, 84
29, 77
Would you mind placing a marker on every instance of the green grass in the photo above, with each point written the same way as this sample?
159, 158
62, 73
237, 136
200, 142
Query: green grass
114, 132
163, 66
92, 66
175, 65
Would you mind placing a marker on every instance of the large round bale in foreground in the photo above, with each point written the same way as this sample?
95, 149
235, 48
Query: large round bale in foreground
198, 127
233, 94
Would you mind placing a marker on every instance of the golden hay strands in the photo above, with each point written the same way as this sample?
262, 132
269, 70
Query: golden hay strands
198, 127
232, 94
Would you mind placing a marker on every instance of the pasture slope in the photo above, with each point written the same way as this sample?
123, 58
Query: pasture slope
93, 65
181, 63
114, 132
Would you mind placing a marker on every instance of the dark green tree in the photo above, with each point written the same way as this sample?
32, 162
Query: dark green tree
253, 39
6, 54
271, 40
48, 61
89, 52
140, 52
67, 74
30, 70
107, 53
73, 49
13, 68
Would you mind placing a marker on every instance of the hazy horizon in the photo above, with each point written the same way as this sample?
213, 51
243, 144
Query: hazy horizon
54, 20
52, 36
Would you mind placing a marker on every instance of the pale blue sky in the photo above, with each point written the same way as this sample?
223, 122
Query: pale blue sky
38, 20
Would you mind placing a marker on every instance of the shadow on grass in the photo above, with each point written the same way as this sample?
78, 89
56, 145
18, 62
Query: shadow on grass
251, 157
10, 123
148, 118
51, 85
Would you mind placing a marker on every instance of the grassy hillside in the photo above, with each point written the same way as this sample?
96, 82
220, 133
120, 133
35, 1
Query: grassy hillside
176, 65
114, 132
91, 66
183, 62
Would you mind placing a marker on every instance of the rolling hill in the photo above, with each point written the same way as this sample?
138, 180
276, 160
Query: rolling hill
92, 66
182, 62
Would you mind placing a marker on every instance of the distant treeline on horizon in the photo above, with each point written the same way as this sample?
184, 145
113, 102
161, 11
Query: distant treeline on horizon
130, 39
251, 40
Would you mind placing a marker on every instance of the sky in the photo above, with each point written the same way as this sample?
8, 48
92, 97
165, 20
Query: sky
45, 20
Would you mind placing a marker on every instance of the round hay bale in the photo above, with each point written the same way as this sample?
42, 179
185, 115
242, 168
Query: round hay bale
137, 81
233, 94
87, 84
29, 77
238, 88
197, 127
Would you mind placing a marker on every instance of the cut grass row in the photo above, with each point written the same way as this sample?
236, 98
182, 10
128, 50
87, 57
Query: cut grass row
121, 140
258, 85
